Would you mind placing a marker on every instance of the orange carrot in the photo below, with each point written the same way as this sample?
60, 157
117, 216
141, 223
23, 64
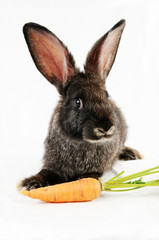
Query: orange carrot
85, 189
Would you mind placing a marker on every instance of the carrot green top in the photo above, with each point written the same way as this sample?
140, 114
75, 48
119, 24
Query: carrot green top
117, 183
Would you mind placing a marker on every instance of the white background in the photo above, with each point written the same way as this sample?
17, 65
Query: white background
27, 101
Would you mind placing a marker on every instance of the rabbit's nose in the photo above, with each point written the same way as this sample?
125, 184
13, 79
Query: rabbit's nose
100, 132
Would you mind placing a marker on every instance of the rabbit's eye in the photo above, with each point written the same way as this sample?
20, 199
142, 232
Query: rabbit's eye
79, 103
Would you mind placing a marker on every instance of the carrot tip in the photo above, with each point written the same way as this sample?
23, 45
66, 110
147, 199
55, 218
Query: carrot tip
24, 192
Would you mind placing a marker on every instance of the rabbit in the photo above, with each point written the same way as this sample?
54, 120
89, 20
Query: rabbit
87, 130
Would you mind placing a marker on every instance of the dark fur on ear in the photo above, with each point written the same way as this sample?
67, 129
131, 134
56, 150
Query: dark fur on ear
50, 55
102, 55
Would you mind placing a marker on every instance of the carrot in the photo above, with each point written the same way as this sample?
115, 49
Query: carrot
87, 189
82, 190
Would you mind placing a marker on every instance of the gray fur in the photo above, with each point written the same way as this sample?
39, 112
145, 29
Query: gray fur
79, 142
72, 157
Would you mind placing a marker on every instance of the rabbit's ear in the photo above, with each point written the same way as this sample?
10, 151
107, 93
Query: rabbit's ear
102, 55
50, 55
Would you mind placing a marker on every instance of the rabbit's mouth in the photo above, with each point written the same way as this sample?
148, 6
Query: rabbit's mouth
99, 134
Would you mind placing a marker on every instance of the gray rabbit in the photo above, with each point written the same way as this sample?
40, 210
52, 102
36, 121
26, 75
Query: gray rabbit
87, 130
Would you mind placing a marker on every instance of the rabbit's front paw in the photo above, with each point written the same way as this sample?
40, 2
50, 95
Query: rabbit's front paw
32, 182
128, 153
